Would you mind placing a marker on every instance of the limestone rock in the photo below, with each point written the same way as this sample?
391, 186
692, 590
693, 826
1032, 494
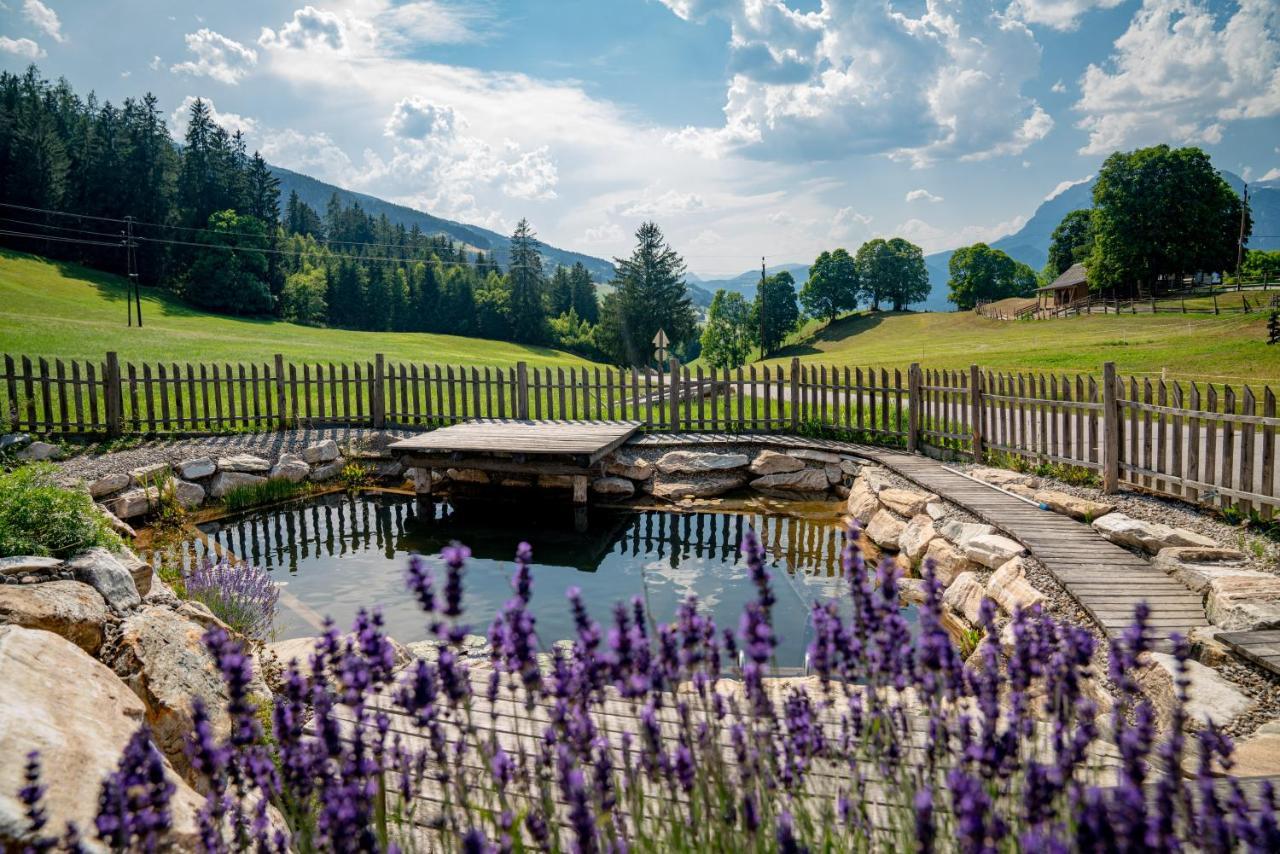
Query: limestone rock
632, 468
963, 597
824, 457
291, 467
885, 530
991, 550
79, 717
696, 462
149, 475
547, 481
160, 654
13, 441
911, 591
103, 572
917, 536
39, 451
133, 503
196, 468
948, 561
773, 462
301, 649
21, 565
834, 475
1169, 558
613, 486
1073, 506
225, 481
874, 479
849, 467
1151, 537
706, 486
1002, 477
1021, 490
962, 532
937, 510
466, 475
247, 463
862, 503
1207, 649
804, 480
320, 452
328, 471
1009, 587
1236, 598
140, 570
905, 502
188, 494
1257, 756
388, 469
108, 484
1211, 697
119, 526
69, 609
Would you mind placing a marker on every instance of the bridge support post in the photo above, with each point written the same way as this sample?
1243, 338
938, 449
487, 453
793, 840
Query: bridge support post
422, 481
1110, 430
580, 489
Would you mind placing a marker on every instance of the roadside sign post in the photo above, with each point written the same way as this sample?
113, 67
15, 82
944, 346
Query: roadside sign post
660, 343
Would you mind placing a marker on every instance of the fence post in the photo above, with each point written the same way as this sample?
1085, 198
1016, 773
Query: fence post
11, 382
673, 399
913, 407
1110, 430
379, 402
522, 391
975, 411
112, 394
280, 399
795, 393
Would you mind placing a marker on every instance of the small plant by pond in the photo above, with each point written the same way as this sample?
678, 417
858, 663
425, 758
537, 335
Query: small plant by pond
271, 491
39, 517
1068, 474
902, 746
355, 475
238, 593
169, 513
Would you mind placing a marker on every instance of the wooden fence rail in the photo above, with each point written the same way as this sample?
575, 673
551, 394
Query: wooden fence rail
1206, 443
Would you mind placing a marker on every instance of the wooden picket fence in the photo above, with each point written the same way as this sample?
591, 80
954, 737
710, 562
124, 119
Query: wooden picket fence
1206, 443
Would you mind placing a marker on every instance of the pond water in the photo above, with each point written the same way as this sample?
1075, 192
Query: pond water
336, 553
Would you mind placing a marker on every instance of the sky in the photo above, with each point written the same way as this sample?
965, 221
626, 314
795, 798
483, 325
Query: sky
743, 127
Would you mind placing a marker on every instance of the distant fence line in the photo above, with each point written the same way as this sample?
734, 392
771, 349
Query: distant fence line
1215, 444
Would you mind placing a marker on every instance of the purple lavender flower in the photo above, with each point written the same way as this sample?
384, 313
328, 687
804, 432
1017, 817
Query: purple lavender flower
133, 807
455, 557
238, 593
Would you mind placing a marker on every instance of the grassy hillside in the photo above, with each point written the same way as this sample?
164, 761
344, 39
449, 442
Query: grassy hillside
1188, 346
49, 308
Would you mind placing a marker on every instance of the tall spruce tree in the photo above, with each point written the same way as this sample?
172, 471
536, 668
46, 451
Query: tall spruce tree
649, 294
559, 292
527, 312
583, 288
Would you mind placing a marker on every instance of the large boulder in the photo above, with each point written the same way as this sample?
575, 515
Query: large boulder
330, 470
20, 565
38, 452
246, 463
1259, 754
104, 572
825, 458
1236, 598
1072, 505
962, 532
916, 537
225, 481
188, 494
78, 716
107, 484
905, 502
1002, 477
118, 525
301, 650
948, 561
160, 654
321, 452
991, 550
706, 486
804, 480
1009, 588
697, 462
140, 570
69, 609
1151, 537
619, 486
463, 475
150, 474
291, 467
862, 503
632, 468
1211, 697
196, 468
885, 530
133, 503
772, 462
963, 597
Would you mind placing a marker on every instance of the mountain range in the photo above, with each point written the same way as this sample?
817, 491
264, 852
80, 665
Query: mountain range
1029, 244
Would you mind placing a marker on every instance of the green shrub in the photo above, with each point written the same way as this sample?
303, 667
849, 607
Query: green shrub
354, 475
270, 491
38, 517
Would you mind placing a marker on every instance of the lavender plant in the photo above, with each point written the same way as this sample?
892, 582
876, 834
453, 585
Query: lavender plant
672, 737
237, 592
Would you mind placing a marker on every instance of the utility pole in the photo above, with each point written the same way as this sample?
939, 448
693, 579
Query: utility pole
134, 295
761, 298
1244, 210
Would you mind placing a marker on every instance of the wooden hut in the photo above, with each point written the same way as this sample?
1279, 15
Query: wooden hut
1072, 285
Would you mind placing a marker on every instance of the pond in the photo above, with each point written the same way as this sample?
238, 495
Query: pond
336, 553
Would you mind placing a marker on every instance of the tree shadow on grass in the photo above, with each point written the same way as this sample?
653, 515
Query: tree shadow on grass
840, 329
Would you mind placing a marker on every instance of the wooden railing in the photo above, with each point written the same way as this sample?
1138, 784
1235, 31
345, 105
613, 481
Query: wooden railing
1207, 443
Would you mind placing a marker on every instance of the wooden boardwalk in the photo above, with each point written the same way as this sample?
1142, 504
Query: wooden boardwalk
510, 438
1107, 580
1260, 647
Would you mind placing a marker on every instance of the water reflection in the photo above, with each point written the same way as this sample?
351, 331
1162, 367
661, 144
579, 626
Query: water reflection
338, 552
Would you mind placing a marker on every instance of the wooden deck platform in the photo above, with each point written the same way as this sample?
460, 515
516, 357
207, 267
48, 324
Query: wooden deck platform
1260, 647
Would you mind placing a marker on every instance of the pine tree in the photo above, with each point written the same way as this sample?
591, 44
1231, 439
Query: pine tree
650, 295
528, 316
560, 292
584, 294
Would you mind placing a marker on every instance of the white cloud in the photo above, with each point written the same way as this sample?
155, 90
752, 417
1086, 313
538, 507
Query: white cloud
922, 195
431, 22
1272, 174
417, 118
1058, 14
309, 28
1176, 76
610, 234
217, 56
315, 154
847, 224
1063, 186
230, 122
43, 19
155, 63
21, 47
663, 204
931, 238
861, 76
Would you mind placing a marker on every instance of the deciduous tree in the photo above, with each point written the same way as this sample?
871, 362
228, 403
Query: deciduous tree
726, 337
832, 286
777, 298
979, 272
